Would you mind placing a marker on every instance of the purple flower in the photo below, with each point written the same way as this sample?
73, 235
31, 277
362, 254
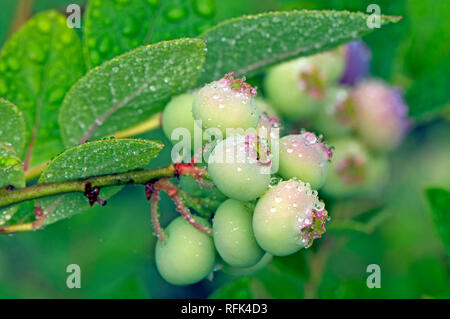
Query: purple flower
358, 63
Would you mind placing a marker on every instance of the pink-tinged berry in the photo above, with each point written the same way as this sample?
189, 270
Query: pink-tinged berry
334, 116
227, 103
240, 167
298, 87
354, 170
380, 115
288, 217
358, 57
304, 156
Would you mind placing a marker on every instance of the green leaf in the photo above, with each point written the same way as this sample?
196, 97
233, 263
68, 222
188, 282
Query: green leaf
429, 93
128, 89
114, 27
38, 65
248, 44
93, 159
439, 200
12, 126
237, 289
11, 173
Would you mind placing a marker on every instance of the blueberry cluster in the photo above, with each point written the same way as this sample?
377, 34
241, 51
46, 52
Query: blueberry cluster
271, 185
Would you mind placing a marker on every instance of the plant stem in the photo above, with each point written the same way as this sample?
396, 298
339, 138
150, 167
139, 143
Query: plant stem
159, 231
16, 196
174, 193
204, 206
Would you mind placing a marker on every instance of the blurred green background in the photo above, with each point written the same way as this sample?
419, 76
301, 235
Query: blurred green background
114, 244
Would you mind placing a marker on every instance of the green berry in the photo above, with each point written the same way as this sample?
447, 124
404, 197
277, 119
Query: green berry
265, 107
334, 116
332, 63
226, 104
233, 234
245, 271
288, 93
187, 255
304, 157
288, 217
240, 167
354, 170
178, 114
297, 88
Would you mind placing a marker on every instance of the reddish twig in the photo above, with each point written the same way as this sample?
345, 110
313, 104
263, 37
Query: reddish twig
167, 186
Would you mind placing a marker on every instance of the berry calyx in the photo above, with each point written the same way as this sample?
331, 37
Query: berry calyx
226, 104
288, 217
233, 234
240, 167
304, 156
187, 255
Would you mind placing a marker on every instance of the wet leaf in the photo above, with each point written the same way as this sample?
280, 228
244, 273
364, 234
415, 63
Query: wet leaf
93, 159
128, 89
38, 64
12, 126
114, 27
11, 173
248, 44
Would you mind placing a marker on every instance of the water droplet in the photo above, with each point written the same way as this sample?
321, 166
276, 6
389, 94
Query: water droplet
176, 13
105, 45
13, 63
44, 25
130, 27
205, 8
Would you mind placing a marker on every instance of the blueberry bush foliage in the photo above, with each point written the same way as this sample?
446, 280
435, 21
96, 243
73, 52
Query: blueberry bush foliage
73, 101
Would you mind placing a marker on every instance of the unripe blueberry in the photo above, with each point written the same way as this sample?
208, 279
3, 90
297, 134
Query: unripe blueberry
354, 170
332, 119
227, 103
233, 234
297, 88
332, 63
240, 167
288, 217
245, 271
380, 115
357, 62
187, 255
178, 114
304, 157
265, 107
